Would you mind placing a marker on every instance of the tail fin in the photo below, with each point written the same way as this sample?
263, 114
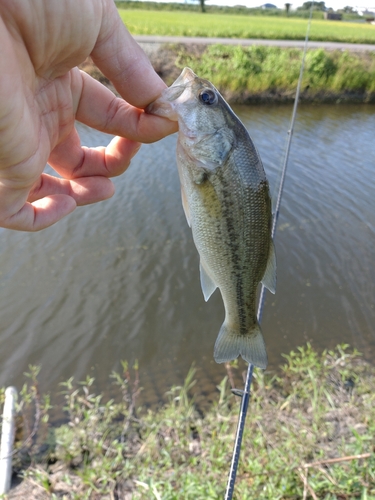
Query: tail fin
230, 344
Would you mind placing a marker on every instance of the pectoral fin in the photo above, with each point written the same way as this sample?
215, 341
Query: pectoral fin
219, 145
269, 278
207, 283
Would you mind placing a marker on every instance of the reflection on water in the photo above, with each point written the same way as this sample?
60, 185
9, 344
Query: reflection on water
119, 280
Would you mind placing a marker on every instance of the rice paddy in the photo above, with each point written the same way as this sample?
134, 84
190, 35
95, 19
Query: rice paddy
183, 23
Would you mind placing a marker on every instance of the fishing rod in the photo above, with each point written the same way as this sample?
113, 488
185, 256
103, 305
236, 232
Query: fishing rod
245, 393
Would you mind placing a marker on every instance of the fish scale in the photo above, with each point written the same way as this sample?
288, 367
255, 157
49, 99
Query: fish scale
226, 200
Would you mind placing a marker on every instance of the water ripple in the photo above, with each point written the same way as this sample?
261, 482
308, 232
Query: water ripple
119, 280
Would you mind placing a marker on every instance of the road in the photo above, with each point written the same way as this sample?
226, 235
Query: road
353, 47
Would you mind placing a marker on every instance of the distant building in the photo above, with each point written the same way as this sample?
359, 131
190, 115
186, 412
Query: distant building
333, 16
268, 6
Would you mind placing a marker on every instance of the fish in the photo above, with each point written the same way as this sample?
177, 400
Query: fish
226, 200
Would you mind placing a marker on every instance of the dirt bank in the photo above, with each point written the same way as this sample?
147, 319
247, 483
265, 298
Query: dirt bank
164, 58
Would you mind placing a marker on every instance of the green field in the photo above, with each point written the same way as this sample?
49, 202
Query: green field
168, 23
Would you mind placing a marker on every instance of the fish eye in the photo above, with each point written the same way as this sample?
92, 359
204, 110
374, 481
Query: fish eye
208, 96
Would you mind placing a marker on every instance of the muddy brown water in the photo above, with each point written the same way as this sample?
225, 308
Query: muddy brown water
119, 280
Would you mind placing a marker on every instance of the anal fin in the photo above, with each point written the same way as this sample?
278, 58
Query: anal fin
207, 283
269, 278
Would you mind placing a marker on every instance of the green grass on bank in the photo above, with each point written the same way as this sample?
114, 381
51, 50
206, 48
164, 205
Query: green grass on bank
257, 69
309, 434
175, 23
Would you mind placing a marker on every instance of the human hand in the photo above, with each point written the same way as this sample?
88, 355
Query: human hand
42, 93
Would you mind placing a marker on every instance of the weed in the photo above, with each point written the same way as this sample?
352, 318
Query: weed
259, 69
310, 432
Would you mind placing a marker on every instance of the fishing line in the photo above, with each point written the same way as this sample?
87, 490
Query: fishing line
245, 394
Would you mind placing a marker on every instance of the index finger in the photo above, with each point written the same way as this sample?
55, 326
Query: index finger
122, 60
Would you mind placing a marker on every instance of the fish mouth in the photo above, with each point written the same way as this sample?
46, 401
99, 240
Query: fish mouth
187, 75
164, 105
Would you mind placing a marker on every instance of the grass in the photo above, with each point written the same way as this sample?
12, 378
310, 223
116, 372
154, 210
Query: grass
177, 23
223, 9
309, 434
260, 68
231, 10
268, 74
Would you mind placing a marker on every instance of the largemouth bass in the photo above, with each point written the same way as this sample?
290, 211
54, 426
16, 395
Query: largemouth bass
225, 195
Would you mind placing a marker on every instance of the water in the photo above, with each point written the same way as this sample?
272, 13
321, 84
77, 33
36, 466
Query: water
119, 280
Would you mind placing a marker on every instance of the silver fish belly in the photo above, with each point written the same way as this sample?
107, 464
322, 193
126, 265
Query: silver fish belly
226, 200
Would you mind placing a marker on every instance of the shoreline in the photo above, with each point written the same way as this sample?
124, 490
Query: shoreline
165, 57
317, 415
